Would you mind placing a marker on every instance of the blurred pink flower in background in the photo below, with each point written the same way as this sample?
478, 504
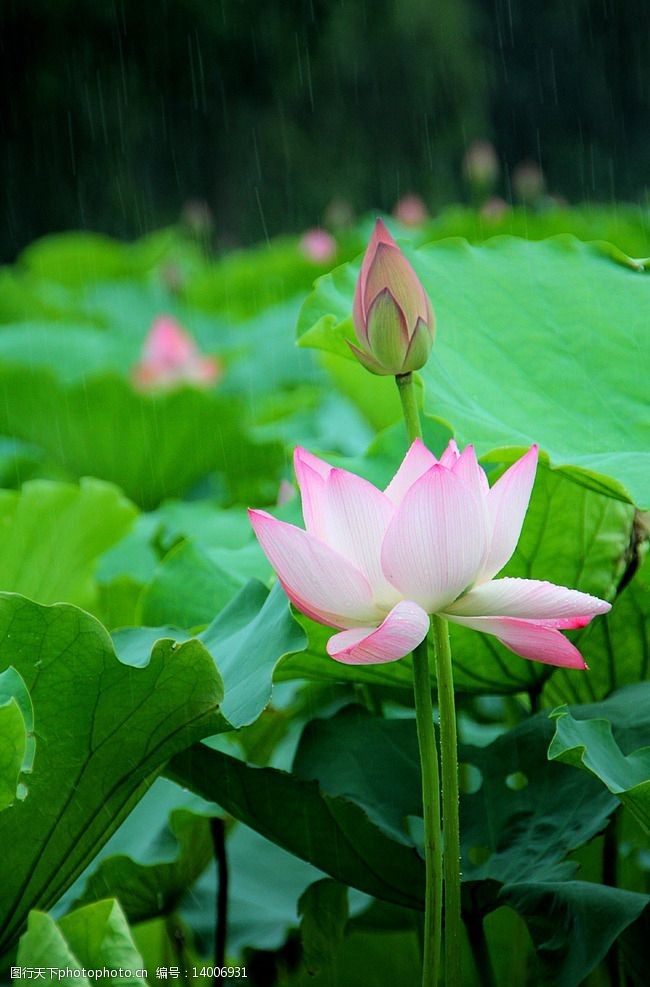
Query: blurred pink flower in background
171, 357
318, 246
172, 276
338, 214
494, 208
411, 211
286, 492
528, 181
375, 564
481, 165
197, 218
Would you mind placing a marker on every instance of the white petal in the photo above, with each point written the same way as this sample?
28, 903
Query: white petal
528, 639
529, 599
312, 499
402, 630
356, 518
301, 456
507, 504
468, 470
451, 455
416, 462
436, 541
318, 580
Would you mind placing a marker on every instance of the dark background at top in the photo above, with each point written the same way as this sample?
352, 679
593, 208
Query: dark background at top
113, 114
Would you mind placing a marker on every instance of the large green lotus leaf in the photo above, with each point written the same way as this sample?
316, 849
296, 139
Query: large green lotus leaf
537, 342
19, 461
332, 833
573, 924
146, 890
355, 784
373, 959
17, 743
91, 938
124, 570
247, 640
153, 860
377, 398
382, 777
264, 885
103, 731
23, 295
590, 744
153, 446
625, 226
74, 258
223, 535
73, 351
187, 589
53, 534
511, 830
152, 863
506, 824
208, 553
137, 554
515, 838
546, 817
244, 283
619, 648
323, 910
572, 536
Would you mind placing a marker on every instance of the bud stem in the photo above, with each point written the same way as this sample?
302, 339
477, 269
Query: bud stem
409, 405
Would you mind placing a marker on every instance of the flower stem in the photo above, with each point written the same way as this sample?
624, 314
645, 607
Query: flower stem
450, 820
428, 754
409, 405
431, 805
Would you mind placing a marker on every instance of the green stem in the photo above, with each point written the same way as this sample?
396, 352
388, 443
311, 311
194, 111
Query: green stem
450, 821
431, 806
409, 405
428, 754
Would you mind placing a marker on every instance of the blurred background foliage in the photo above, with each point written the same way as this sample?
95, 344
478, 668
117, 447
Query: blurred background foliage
115, 115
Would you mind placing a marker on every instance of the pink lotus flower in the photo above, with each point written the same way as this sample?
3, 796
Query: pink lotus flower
318, 246
171, 357
375, 564
392, 315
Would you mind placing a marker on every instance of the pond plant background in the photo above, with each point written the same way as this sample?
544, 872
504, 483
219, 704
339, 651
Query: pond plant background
186, 776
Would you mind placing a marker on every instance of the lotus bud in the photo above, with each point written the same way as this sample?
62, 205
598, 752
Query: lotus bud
392, 315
